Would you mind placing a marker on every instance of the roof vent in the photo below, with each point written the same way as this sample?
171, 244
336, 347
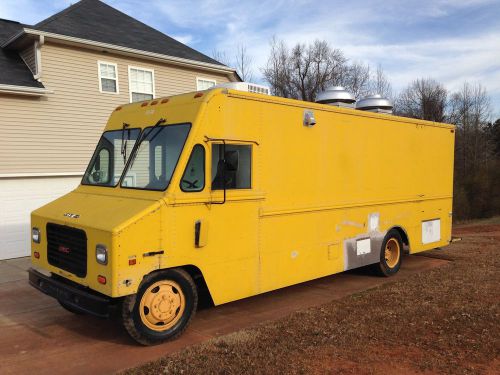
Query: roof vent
375, 103
337, 96
246, 86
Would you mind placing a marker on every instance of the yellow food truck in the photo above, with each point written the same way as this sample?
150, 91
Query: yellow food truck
235, 193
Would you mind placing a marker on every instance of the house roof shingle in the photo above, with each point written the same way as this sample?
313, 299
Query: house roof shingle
13, 70
99, 22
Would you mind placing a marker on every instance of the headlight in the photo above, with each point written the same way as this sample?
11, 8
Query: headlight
35, 235
101, 254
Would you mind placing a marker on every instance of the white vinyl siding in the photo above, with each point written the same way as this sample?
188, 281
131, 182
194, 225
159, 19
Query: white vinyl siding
142, 84
28, 56
204, 83
108, 77
57, 134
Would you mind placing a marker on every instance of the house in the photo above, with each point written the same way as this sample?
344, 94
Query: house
59, 81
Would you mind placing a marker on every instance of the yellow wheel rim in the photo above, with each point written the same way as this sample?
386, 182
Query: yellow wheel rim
162, 305
392, 252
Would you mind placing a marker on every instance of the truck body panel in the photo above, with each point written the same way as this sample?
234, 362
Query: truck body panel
320, 201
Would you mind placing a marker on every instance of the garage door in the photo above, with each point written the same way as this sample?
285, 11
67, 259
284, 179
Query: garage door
20, 196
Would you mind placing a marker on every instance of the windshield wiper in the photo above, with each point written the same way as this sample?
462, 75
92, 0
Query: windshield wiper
124, 142
144, 135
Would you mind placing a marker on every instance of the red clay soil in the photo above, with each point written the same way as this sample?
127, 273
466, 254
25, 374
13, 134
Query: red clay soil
445, 320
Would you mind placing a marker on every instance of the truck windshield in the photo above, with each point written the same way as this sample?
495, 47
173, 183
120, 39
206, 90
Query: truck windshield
107, 163
153, 161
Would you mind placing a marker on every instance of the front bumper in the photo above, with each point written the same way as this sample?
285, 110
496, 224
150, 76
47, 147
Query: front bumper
79, 298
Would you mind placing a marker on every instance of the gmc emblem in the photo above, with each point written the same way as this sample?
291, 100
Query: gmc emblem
72, 216
64, 249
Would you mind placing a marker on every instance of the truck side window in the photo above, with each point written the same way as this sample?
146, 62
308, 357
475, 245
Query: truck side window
193, 178
237, 167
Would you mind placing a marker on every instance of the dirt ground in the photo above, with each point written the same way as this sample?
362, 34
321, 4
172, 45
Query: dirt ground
37, 336
445, 320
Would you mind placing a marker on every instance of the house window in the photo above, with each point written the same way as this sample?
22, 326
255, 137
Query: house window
142, 84
204, 83
108, 77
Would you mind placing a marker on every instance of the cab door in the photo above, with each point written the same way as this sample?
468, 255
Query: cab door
220, 218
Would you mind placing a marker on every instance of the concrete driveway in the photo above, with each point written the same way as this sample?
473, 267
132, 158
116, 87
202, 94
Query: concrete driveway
37, 336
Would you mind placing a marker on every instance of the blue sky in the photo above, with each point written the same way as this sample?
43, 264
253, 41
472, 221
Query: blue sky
449, 40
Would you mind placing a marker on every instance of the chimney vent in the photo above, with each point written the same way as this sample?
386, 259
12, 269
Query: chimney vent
337, 96
375, 103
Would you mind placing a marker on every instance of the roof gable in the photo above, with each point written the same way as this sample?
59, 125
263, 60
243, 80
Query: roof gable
13, 70
99, 22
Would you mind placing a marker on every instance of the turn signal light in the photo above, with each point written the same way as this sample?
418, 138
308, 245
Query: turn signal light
36, 254
132, 262
101, 279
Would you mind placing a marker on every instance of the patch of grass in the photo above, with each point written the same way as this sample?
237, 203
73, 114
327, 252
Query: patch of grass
495, 220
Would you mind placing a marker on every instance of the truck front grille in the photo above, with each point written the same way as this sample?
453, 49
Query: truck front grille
67, 248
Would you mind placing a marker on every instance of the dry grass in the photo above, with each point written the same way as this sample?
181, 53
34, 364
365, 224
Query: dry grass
442, 321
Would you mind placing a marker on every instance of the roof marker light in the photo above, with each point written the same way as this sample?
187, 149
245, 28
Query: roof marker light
155, 102
198, 94
164, 101
118, 108
144, 104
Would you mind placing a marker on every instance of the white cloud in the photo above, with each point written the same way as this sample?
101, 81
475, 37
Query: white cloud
450, 60
365, 30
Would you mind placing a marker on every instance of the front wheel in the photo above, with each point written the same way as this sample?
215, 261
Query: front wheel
162, 308
391, 254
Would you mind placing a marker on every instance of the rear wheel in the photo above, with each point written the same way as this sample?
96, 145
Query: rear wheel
391, 254
162, 308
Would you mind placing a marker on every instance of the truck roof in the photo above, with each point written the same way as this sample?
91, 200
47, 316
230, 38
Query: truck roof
207, 95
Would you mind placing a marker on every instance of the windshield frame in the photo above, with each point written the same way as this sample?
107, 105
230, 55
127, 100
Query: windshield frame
137, 144
91, 165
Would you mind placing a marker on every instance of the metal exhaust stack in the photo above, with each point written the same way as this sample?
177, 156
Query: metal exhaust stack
375, 103
336, 96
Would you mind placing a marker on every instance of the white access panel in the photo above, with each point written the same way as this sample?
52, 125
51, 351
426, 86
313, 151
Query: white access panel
431, 231
363, 246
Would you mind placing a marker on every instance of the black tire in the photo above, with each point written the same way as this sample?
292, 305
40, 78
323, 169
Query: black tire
139, 326
69, 308
388, 267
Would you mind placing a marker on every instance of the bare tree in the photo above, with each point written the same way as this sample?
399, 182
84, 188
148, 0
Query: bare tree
243, 63
221, 56
380, 84
277, 70
425, 99
470, 111
477, 171
304, 70
356, 79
